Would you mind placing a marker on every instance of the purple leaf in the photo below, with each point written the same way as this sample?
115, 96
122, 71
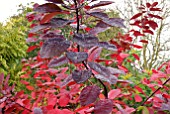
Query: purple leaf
54, 47
85, 40
99, 15
81, 76
101, 3
100, 27
59, 22
77, 57
103, 106
107, 46
67, 80
89, 95
58, 61
39, 27
104, 73
47, 8
51, 35
111, 79
1, 78
99, 68
56, 1
37, 110
165, 106
115, 70
115, 22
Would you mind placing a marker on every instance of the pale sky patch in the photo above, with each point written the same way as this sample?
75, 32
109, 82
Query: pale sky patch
9, 7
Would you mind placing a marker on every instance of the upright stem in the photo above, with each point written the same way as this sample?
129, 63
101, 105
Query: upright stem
77, 15
78, 47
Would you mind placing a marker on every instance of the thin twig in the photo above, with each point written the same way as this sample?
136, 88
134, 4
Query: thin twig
154, 92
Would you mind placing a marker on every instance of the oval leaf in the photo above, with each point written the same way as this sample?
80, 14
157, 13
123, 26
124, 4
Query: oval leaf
59, 22
89, 95
58, 61
104, 73
81, 76
103, 107
101, 3
47, 8
114, 93
77, 57
54, 47
107, 46
111, 79
85, 40
99, 15
51, 35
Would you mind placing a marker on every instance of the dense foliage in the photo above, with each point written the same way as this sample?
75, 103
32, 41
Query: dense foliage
68, 75
13, 45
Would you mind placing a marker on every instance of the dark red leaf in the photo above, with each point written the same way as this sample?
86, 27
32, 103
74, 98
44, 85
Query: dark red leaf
138, 98
136, 56
104, 73
114, 93
115, 22
152, 24
89, 95
103, 107
101, 3
137, 46
137, 33
58, 61
148, 5
136, 16
31, 48
47, 8
56, 1
154, 4
85, 40
81, 76
148, 31
155, 9
77, 57
59, 22
107, 46
49, 16
54, 47
87, 7
144, 41
155, 16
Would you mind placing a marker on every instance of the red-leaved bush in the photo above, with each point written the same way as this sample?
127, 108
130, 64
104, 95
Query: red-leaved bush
68, 76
